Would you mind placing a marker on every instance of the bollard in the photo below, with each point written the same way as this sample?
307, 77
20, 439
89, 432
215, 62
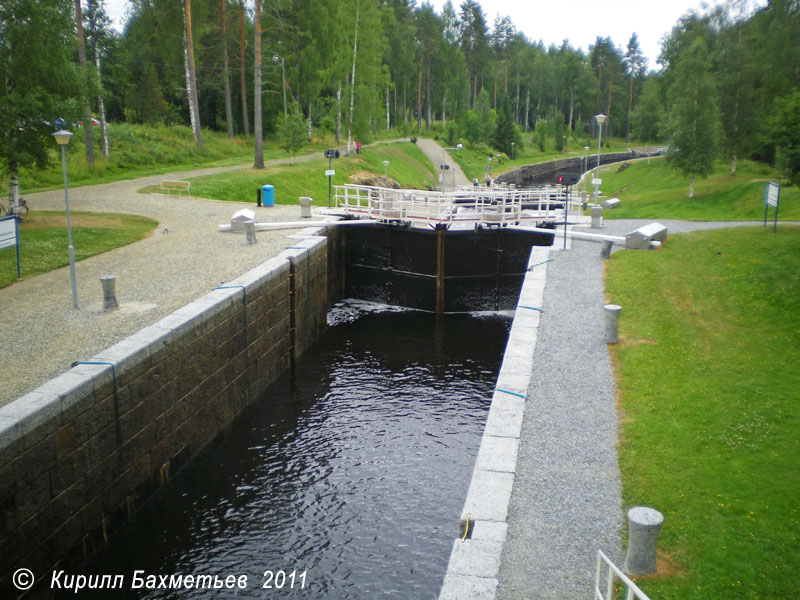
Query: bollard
597, 217
605, 251
250, 231
305, 207
644, 523
612, 322
258, 197
109, 285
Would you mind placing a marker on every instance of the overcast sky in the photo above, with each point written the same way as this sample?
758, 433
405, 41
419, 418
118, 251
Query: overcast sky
579, 21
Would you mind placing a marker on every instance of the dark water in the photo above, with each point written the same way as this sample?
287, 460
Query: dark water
353, 472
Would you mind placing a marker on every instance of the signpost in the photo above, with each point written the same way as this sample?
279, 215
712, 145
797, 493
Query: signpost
9, 236
772, 195
330, 155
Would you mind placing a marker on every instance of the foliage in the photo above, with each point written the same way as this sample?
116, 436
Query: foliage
785, 129
708, 386
292, 129
40, 79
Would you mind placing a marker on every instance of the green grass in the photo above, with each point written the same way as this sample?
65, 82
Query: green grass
709, 392
653, 191
43, 240
407, 165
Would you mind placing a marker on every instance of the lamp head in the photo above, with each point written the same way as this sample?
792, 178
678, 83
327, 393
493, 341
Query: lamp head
459, 146
386, 163
601, 118
62, 137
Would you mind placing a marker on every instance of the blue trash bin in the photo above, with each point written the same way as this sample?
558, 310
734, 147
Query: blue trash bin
267, 195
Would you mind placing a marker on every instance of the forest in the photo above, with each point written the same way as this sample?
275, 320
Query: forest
728, 87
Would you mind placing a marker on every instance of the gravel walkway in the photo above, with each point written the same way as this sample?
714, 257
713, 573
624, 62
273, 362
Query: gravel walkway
42, 334
566, 501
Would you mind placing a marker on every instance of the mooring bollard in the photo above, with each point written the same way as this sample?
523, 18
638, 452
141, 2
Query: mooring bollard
605, 251
109, 285
597, 217
644, 523
305, 207
250, 231
612, 322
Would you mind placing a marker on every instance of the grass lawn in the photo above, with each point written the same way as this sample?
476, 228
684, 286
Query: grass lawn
43, 240
407, 165
652, 191
709, 399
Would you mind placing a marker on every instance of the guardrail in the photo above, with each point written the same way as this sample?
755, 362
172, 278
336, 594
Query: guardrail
632, 590
467, 205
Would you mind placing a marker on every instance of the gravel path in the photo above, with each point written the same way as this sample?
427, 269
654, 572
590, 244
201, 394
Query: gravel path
434, 152
566, 500
43, 334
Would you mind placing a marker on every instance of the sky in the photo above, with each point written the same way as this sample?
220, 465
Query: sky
579, 21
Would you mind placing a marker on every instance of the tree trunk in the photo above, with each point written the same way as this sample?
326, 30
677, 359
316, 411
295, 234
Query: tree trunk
245, 117
310, 128
87, 108
258, 163
339, 113
101, 106
225, 73
428, 95
419, 95
353, 85
630, 106
691, 186
388, 122
527, 106
13, 189
194, 106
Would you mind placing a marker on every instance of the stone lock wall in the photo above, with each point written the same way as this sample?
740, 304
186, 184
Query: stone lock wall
81, 453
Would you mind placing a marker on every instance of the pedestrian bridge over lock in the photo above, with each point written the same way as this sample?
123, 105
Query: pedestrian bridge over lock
468, 207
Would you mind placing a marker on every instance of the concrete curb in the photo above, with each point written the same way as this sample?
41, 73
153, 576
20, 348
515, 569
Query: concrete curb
475, 561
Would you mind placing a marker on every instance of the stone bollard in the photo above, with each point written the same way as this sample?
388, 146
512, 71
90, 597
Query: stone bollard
109, 285
305, 207
612, 322
605, 251
250, 231
597, 217
643, 526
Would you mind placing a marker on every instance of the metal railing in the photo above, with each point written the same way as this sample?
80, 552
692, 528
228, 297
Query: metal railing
631, 589
467, 205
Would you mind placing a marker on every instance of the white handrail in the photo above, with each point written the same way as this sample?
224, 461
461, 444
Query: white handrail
614, 573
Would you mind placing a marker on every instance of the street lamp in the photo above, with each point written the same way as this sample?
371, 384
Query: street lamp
444, 162
512, 151
63, 137
601, 118
386, 173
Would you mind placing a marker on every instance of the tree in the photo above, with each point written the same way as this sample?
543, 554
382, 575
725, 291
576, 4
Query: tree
635, 63
225, 69
258, 129
694, 120
292, 129
99, 25
191, 74
87, 108
504, 132
39, 83
785, 129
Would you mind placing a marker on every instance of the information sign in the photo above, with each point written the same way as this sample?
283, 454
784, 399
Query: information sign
772, 196
9, 236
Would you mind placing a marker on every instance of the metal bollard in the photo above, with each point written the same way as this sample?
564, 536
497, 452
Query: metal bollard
250, 231
644, 523
605, 251
597, 217
612, 322
109, 285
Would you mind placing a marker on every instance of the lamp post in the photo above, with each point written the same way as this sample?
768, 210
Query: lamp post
444, 161
488, 167
386, 173
601, 118
512, 151
63, 137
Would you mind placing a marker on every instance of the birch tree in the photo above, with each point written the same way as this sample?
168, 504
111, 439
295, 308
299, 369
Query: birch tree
87, 107
191, 73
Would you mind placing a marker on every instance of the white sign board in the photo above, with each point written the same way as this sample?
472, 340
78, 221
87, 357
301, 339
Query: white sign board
8, 233
596, 181
330, 172
773, 192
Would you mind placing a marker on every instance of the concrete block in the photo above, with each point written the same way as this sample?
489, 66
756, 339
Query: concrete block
466, 587
497, 454
240, 217
490, 531
37, 414
478, 558
505, 416
640, 238
488, 496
